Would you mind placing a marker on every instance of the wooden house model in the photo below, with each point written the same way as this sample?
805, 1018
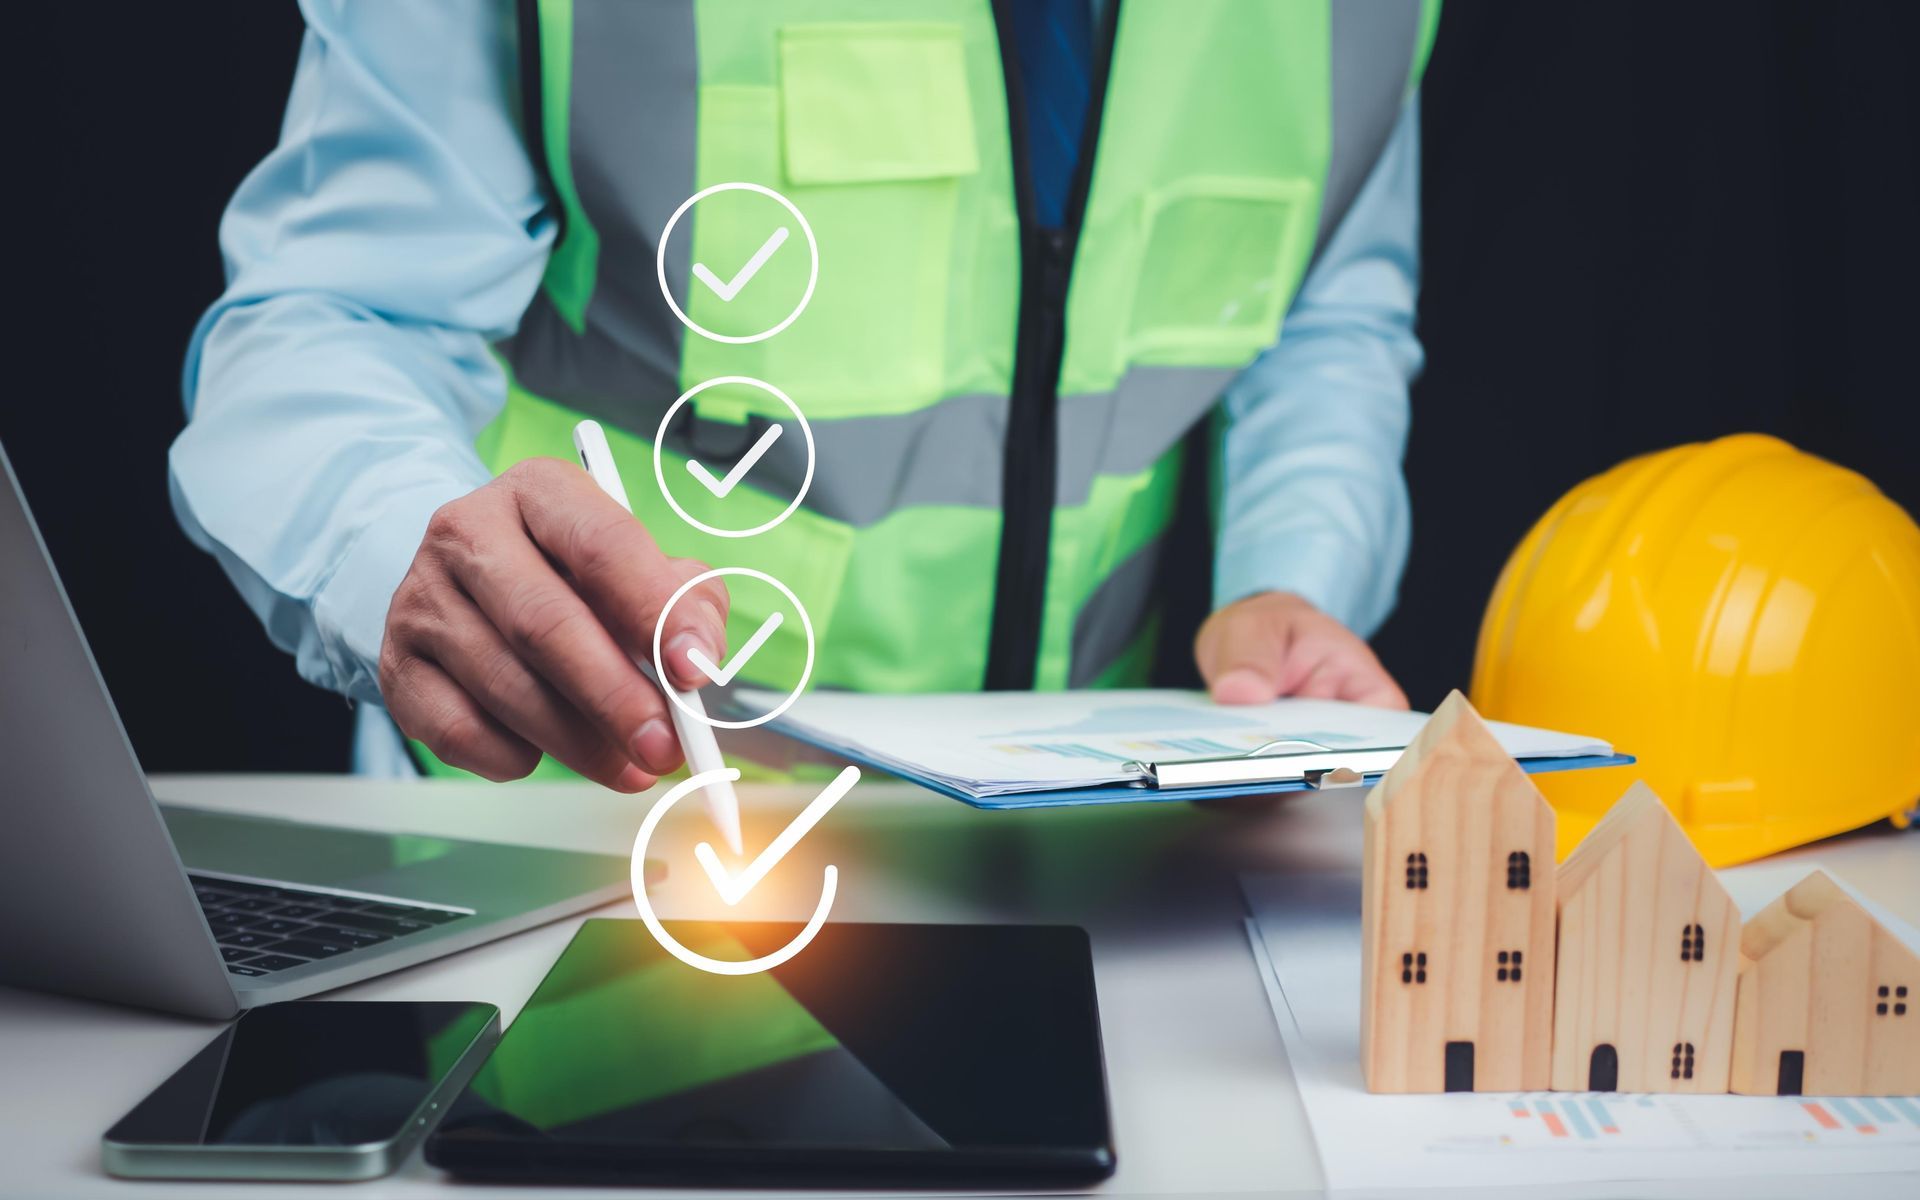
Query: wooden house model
1649, 954
1457, 917
1828, 1000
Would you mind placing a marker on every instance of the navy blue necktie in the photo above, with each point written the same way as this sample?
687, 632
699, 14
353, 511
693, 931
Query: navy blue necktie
1055, 47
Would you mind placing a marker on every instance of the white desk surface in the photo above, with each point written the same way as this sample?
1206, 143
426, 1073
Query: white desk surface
1203, 1103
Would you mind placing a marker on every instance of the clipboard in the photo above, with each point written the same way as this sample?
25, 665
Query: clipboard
1292, 765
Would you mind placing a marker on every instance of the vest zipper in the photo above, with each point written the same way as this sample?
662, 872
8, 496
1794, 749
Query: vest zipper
1031, 454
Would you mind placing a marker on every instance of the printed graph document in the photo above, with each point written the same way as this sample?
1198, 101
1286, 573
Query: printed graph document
981, 745
1305, 931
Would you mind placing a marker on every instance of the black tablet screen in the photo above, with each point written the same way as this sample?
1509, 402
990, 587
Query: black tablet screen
878, 1044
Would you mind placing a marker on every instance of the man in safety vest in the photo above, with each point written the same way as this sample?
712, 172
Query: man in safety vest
1003, 255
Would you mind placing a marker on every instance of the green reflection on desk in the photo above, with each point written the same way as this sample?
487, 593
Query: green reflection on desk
618, 1022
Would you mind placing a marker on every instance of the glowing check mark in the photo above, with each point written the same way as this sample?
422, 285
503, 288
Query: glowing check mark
734, 888
724, 675
731, 288
720, 487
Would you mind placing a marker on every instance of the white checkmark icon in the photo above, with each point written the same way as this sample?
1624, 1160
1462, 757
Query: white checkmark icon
734, 888
731, 288
724, 675
720, 487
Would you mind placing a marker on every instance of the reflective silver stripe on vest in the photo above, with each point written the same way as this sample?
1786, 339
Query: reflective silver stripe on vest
632, 123
1371, 50
1113, 615
1128, 429
948, 454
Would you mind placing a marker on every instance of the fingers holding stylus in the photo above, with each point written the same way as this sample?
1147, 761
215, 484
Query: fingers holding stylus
698, 622
492, 603
466, 645
553, 630
620, 571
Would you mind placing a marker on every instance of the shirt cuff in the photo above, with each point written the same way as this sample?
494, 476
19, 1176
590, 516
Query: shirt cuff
1324, 569
350, 609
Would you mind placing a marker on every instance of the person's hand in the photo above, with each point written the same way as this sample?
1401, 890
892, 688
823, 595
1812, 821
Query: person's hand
516, 628
1277, 644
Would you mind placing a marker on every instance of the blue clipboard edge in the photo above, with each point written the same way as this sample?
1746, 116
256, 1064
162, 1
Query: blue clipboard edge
1123, 794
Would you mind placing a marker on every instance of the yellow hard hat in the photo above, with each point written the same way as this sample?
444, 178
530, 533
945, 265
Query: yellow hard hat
1742, 617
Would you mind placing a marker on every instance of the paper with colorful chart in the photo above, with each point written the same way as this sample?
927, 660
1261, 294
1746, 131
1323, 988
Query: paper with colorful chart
1305, 931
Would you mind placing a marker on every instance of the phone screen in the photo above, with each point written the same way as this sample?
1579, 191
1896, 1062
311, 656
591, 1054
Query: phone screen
309, 1073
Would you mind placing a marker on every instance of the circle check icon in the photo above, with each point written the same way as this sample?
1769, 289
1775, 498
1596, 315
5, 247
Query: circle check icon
806, 626
752, 966
660, 263
659, 461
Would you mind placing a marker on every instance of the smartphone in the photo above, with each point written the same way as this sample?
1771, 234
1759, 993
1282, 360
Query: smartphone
311, 1089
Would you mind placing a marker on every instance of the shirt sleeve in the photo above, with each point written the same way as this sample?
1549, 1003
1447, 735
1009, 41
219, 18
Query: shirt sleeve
1312, 496
333, 392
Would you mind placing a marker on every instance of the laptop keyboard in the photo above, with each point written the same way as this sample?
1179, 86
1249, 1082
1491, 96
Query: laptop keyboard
264, 928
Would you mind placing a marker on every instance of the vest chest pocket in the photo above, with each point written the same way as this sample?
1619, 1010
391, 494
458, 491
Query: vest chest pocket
869, 130
875, 103
1195, 272
1221, 260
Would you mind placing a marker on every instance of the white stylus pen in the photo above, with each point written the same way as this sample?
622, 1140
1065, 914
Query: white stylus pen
696, 736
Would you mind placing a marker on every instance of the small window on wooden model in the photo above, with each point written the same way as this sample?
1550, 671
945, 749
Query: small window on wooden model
1519, 871
1416, 872
1892, 1000
1413, 967
1508, 968
1693, 944
1682, 1060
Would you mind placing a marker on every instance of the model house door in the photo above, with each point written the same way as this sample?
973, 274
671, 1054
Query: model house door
1459, 1066
1793, 1069
1603, 1069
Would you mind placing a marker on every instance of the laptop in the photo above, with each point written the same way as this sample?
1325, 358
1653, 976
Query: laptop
111, 895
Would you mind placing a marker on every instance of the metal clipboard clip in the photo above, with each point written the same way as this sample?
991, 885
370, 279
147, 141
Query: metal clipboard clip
1285, 761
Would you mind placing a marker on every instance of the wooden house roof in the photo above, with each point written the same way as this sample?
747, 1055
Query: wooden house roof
1801, 905
1638, 809
1454, 728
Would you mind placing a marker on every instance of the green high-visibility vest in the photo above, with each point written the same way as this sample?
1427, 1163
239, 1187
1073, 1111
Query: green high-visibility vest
992, 485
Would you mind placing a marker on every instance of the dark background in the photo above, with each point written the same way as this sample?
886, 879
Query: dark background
1645, 223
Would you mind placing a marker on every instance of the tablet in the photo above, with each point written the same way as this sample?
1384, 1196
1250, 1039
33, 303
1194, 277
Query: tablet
904, 1055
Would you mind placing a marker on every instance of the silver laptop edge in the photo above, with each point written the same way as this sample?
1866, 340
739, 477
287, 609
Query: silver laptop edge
93, 871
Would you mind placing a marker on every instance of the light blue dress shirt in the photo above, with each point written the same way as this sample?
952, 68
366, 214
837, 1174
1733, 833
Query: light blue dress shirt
334, 390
